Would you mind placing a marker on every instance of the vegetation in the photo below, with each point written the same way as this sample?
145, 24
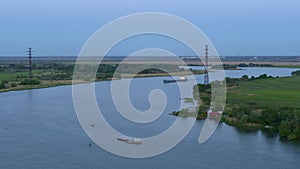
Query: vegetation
2, 85
14, 75
229, 67
30, 82
288, 66
254, 65
263, 102
235, 66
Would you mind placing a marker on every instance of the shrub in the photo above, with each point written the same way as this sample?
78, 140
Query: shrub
13, 84
30, 82
2, 85
245, 77
296, 73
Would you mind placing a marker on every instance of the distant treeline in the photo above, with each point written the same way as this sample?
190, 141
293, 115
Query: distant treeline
254, 65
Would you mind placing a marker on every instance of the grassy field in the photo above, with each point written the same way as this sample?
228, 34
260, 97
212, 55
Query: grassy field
271, 92
11, 76
288, 66
8, 76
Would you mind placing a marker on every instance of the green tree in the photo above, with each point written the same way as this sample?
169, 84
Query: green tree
245, 77
2, 85
30, 82
285, 128
271, 116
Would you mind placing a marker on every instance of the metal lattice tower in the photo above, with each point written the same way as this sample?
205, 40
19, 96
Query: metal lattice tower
30, 62
206, 78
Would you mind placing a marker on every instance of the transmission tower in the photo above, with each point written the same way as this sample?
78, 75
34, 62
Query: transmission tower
206, 78
30, 62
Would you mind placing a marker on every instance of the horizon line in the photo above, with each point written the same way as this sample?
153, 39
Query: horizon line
37, 56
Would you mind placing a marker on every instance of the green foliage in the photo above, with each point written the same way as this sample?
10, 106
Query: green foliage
263, 76
254, 65
229, 67
242, 113
202, 88
255, 117
271, 116
231, 82
2, 85
151, 69
30, 82
5, 81
13, 84
285, 128
290, 124
202, 111
296, 73
245, 77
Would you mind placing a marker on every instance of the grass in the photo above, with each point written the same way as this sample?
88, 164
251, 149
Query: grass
271, 92
287, 66
11, 76
8, 76
39, 86
188, 100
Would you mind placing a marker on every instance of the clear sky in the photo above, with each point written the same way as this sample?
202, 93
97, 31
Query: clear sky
236, 27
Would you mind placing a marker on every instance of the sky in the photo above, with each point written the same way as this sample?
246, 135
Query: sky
235, 27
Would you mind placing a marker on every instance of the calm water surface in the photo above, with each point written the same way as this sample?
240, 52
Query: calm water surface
39, 129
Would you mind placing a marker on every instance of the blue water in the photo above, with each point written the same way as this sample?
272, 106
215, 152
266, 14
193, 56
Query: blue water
39, 129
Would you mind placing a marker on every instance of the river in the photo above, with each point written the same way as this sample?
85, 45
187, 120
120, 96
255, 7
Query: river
39, 129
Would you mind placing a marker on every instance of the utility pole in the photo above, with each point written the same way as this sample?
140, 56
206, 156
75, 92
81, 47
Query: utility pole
206, 78
30, 62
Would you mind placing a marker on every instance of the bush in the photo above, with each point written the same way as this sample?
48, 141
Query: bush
245, 77
271, 117
5, 81
285, 128
13, 84
263, 76
2, 85
30, 82
296, 73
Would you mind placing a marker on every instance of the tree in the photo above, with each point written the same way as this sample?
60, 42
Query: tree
13, 84
271, 116
245, 77
263, 76
2, 85
30, 82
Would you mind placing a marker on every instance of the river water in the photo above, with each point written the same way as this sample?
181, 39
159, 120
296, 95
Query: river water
39, 129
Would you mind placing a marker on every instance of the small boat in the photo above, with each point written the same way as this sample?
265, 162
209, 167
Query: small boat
181, 78
131, 141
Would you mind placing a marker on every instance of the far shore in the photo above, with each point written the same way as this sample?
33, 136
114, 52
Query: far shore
48, 84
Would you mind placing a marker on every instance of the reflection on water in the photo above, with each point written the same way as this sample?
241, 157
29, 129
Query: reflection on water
269, 132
